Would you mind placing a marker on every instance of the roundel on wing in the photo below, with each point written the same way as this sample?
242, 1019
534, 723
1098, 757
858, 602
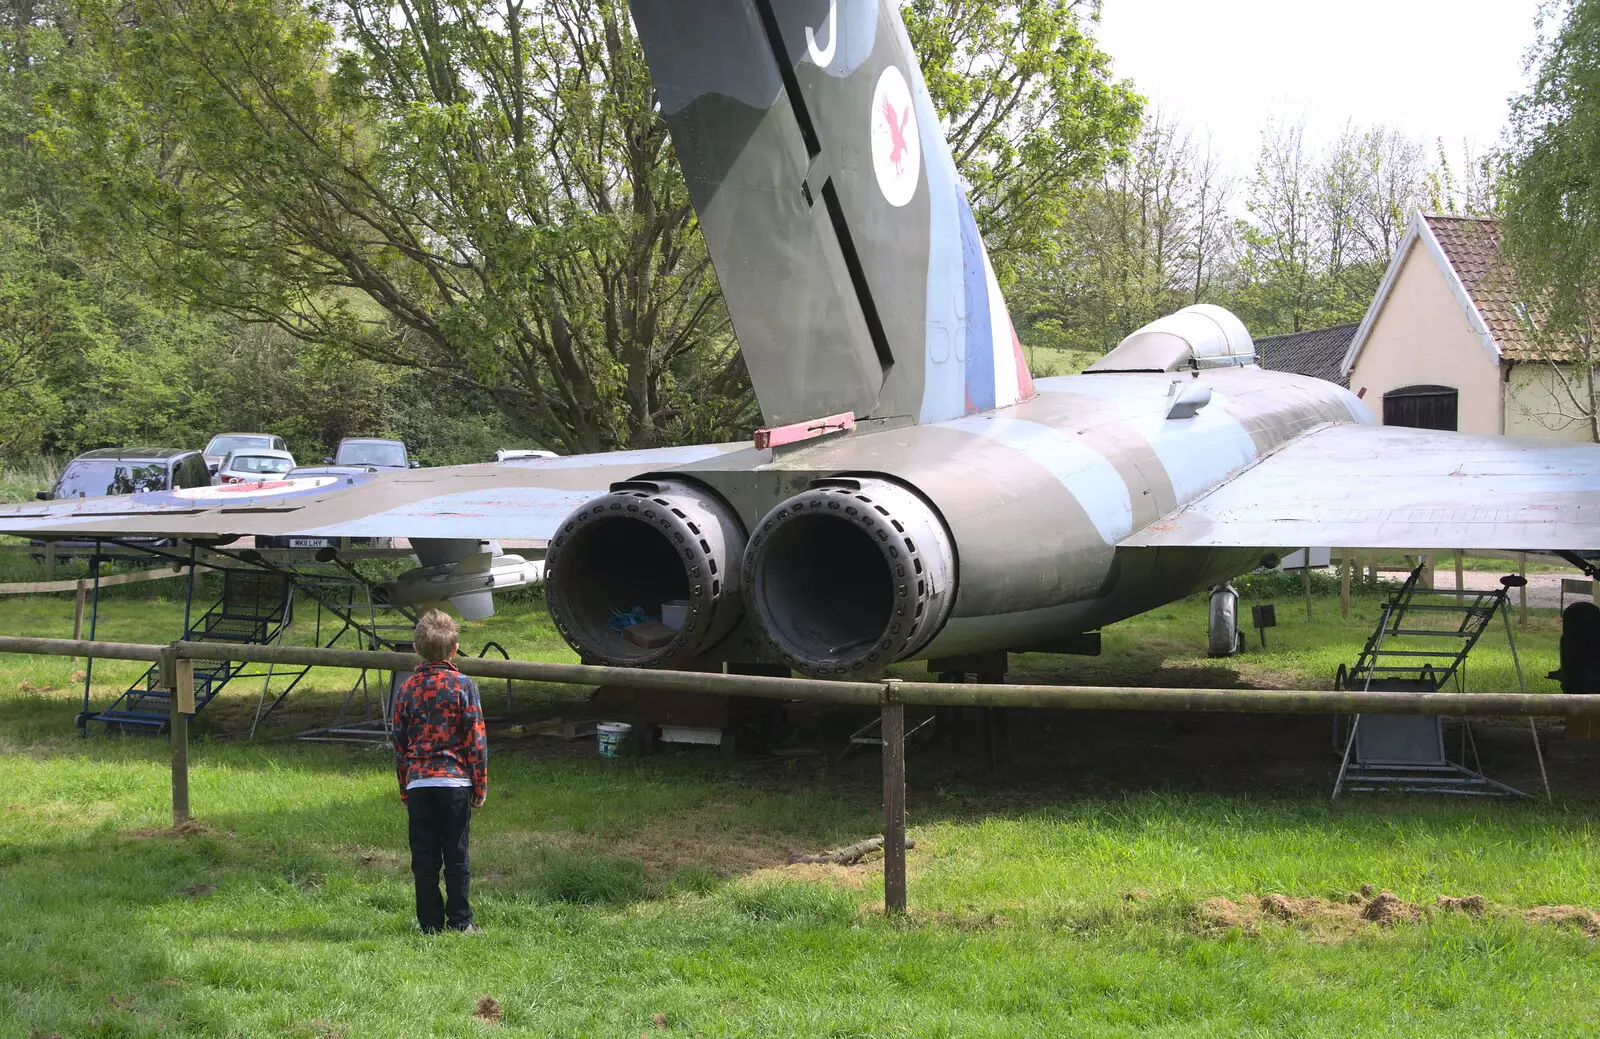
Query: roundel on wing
257, 489
896, 144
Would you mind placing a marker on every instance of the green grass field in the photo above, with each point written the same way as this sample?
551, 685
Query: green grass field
651, 896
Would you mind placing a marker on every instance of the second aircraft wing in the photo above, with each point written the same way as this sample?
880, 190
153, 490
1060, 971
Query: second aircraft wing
1398, 488
521, 500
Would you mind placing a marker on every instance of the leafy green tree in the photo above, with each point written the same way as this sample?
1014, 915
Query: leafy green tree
1323, 226
1030, 106
483, 193
1146, 237
1552, 173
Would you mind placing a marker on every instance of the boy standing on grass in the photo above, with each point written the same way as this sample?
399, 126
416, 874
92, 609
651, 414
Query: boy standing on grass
442, 757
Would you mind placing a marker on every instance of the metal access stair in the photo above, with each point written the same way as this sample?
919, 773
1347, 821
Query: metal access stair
357, 609
253, 610
1421, 647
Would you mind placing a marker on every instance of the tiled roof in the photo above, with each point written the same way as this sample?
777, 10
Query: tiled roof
1318, 352
1472, 245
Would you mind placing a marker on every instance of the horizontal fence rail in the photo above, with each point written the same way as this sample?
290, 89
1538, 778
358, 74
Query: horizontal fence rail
866, 694
891, 696
80, 583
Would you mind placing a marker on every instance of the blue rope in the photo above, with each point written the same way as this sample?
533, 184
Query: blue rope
621, 621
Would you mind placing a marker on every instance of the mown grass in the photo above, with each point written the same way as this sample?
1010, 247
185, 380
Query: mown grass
615, 891
1047, 361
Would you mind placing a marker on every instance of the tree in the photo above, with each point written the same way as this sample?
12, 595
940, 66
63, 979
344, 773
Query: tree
1030, 108
1322, 228
480, 192
1393, 169
1280, 265
1143, 239
485, 192
1550, 197
1467, 189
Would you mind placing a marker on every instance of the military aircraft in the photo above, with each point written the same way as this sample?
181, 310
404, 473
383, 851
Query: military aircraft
916, 494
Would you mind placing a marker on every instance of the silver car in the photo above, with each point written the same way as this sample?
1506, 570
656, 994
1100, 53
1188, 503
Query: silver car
252, 465
223, 443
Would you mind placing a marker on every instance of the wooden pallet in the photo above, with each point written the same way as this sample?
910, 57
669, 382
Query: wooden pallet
560, 728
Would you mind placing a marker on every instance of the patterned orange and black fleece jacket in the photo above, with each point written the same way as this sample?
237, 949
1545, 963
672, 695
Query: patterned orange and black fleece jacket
438, 728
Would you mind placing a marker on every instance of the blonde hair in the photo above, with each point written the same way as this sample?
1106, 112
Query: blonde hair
436, 635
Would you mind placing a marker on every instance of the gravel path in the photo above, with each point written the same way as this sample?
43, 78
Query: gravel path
1544, 587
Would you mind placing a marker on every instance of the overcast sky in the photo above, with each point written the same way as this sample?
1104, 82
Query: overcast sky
1435, 68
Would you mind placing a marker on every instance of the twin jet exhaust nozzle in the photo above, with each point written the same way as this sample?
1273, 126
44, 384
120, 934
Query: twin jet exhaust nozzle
840, 580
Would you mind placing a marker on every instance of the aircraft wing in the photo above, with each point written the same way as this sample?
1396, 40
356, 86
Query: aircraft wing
1393, 487
525, 499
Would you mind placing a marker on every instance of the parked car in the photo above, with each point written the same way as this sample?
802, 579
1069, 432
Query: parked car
507, 454
124, 470
373, 452
253, 465
222, 443
329, 470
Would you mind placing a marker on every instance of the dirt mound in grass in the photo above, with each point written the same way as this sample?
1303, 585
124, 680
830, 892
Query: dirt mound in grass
1223, 913
1472, 905
188, 828
1285, 908
1585, 920
1323, 916
1387, 909
1361, 910
817, 873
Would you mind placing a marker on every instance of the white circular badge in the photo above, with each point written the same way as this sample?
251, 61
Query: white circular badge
257, 489
896, 145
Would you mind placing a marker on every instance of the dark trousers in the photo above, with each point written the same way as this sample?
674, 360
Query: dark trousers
439, 818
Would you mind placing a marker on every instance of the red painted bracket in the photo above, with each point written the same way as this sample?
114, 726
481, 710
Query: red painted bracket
808, 429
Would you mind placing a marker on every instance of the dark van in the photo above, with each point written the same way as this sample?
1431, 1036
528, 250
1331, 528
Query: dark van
124, 470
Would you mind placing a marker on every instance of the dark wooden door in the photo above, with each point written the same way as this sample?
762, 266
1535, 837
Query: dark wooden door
1421, 407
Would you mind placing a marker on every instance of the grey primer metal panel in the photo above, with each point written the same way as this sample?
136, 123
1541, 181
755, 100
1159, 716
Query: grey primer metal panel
1392, 487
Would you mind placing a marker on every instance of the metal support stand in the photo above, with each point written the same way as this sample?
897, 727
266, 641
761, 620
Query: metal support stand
871, 735
188, 594
1305, 580
1406, 752
1522, 687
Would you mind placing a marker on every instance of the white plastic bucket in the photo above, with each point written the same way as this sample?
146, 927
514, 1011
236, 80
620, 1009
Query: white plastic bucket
611, 736
675, 613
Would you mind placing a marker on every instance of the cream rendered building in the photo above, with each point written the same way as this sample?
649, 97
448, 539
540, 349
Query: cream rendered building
1445, 345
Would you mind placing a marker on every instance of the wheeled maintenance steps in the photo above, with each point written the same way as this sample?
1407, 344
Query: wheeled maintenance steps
1420, 646
253, 610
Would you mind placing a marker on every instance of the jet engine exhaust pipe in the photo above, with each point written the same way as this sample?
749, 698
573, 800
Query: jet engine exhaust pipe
849, 576
646, 543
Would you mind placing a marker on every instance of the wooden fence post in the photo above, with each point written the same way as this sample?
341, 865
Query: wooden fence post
893, 730
1344, 582
178, 678
1461, 581
78, 602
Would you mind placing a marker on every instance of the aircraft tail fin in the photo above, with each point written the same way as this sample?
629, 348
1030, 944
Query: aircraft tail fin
848, 254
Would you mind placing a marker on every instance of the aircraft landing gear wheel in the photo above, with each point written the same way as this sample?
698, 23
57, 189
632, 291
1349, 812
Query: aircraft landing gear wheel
1341, 677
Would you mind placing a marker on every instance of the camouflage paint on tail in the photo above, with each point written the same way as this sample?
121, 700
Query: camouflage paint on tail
848, 254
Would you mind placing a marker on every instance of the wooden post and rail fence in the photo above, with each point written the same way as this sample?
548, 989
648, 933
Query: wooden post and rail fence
891, 696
